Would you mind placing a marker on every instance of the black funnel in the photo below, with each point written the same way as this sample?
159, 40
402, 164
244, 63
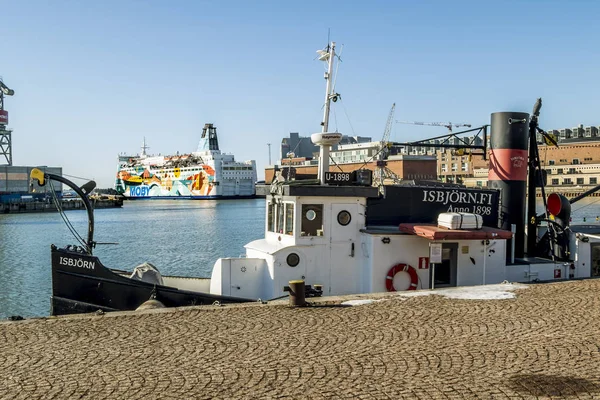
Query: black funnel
508, 172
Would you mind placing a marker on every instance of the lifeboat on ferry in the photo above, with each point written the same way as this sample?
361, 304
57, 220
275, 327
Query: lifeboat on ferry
134, 180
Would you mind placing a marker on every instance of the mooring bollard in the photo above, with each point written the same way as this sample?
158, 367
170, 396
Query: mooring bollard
297, 295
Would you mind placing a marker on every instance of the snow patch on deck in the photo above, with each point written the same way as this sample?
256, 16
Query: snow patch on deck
360, 302
487, 292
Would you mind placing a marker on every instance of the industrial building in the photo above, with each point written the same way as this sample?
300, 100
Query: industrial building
15, 182
572, 167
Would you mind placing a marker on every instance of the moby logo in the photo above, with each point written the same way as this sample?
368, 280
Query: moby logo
139, 191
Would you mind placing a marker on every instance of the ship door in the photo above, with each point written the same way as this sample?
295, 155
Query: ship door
343, 227
595, 261
237, 187
444, 274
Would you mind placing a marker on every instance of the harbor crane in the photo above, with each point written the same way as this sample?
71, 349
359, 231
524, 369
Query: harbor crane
5, 135
4, 91
383, 172
448, 125
388, 126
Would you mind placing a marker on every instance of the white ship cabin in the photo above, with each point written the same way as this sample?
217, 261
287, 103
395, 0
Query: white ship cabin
319, 234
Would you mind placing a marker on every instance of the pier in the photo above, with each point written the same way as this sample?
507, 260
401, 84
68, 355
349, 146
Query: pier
28, 206
542, 344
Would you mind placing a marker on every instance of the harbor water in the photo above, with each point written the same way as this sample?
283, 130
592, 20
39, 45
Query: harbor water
180, 237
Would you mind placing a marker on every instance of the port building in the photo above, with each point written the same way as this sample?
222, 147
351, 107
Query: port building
15, 185
574, 166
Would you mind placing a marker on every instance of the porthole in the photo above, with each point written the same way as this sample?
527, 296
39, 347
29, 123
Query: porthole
293, 259
344, 218
311, 215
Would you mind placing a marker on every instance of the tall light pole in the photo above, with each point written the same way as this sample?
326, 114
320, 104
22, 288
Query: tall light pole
269, 144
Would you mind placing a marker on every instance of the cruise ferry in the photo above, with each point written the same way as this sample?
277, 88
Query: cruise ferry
204, 174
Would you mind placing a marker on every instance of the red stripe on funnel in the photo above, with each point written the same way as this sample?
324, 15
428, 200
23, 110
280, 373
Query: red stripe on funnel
508, 165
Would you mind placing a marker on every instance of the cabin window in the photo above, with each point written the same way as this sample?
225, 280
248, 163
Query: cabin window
593, 181
580, 181
271, 217
551, 162
280, 218
344, 217
293, 259
289, 218
312, 220
555, 181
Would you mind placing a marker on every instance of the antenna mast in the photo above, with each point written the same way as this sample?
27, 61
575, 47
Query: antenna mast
328, 94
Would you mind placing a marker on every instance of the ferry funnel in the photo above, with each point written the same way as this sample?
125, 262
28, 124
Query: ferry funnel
508, 172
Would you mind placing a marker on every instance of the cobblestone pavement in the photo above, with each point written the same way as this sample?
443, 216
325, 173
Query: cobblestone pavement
543, 344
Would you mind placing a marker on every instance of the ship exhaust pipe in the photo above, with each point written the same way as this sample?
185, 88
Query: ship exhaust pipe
508, 172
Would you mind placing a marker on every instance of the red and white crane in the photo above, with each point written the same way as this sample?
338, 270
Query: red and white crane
448, 125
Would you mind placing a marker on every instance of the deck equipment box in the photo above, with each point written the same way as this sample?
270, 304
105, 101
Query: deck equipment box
460, 221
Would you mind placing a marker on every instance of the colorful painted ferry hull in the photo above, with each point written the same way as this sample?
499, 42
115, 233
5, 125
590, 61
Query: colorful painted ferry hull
193, 182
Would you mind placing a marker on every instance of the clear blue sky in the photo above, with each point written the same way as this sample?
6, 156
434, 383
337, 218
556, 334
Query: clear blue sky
92, 78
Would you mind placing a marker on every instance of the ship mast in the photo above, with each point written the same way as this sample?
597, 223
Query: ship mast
144, 148
328, 91
325, 139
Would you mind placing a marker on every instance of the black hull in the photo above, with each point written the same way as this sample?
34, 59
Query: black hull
80, 284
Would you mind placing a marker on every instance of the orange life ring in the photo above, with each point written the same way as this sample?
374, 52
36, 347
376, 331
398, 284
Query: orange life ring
389, 279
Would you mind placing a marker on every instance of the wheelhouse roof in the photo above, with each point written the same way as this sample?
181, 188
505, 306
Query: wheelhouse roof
321, 190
